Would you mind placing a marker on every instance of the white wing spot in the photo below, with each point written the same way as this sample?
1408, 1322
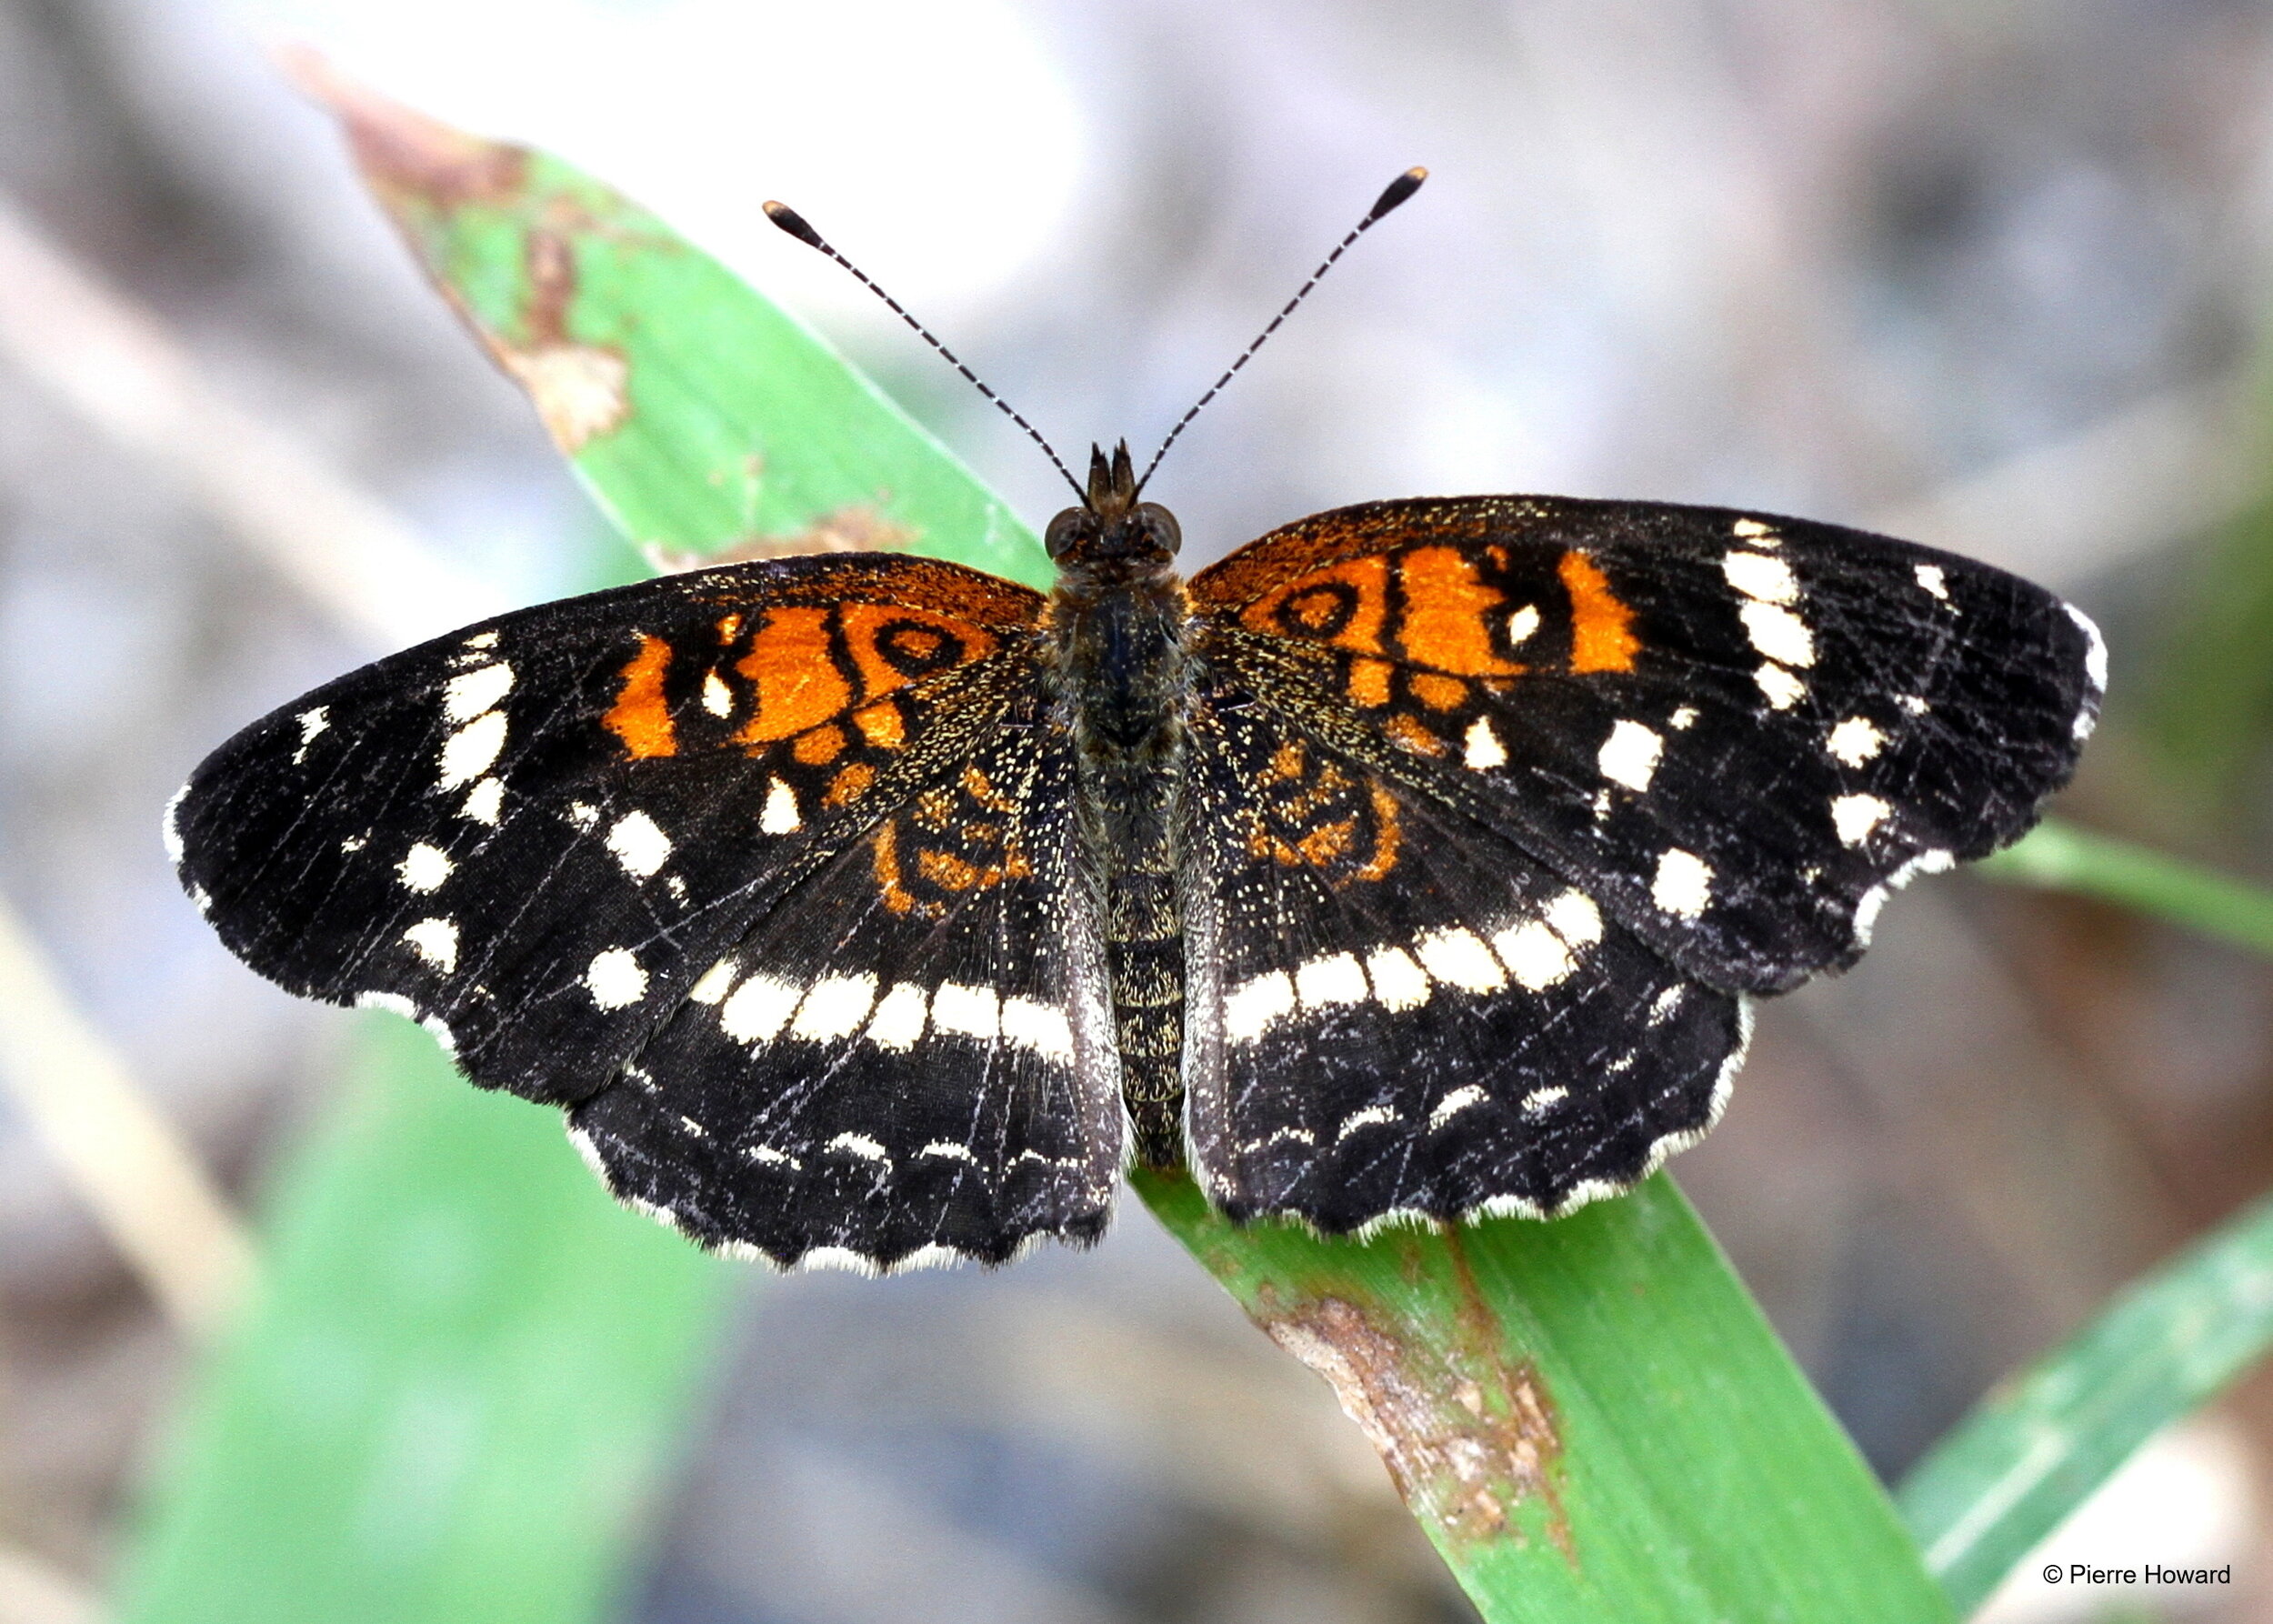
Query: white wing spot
1758, 575
435, 941
1249, 1011
1681, 719
1334, 978
1666, 1003
713, 984
1855, 741
1039, 1028
1373, 1115
1777, 633
1752, 530
615, 979
1484, 750
1454, 1103
481, 640
1459, 957
1782, 689
584, 815
170, 827
1534, 955
312, 722
1541, 1101
717, 698
898, 1021
2095, 654
758, 1009
1522, 624
1854, 816
1629, 756
473, 749
1931, 579
693, 1127
861, 1146
353, 844
781, 815
1914, 705
484, 802
423, 867
948, 1151
638, 844
1398, 984
834, 1008
974, 1011
766, 1155
1574, 916
1684, 883
470, 692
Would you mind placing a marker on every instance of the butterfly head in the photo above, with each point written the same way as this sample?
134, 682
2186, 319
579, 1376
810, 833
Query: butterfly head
1112, 528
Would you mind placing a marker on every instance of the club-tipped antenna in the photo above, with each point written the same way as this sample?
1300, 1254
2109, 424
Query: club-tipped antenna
796, 225
1397, 192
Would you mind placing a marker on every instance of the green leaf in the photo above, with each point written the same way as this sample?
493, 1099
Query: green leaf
2035, 1449
1590, 1418
448, 1400
701, 417
2060, 857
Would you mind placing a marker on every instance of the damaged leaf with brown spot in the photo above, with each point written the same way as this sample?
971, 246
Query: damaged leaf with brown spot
688, 402
1590, 1418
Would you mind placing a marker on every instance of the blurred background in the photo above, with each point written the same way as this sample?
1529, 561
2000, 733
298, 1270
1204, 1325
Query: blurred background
1993, 276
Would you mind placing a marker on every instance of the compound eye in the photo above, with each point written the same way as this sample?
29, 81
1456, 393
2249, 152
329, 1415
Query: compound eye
1068, 531
1162, 525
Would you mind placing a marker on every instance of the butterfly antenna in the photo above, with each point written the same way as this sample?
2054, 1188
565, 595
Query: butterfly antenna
795, 225
1398, 191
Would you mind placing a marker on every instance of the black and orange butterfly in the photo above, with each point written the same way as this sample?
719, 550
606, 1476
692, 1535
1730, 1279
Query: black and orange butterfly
1416, 860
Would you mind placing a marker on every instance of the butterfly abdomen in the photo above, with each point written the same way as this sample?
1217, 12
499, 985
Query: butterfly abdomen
1121, 648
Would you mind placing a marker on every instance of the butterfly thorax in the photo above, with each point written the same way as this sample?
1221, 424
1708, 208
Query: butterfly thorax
1119, 617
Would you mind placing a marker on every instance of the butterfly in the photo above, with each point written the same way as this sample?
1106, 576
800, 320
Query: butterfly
1418, 860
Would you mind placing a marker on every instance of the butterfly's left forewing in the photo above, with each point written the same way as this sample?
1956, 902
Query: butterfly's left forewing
548, 835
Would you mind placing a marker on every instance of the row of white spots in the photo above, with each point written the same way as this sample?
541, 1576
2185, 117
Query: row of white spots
1768, 588
763, 1008
311, 723
469, 700
1466, 1097
1536, 954
1629, 756
1482, 748
1683, 884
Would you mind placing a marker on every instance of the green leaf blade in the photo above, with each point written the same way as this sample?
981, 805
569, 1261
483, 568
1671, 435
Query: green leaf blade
2033, 1451
1589, 1417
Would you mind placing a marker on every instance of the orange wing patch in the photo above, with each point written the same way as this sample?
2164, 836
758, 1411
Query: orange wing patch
1601, 626
1450, 614
1317, 813
1345, 605
640, 717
